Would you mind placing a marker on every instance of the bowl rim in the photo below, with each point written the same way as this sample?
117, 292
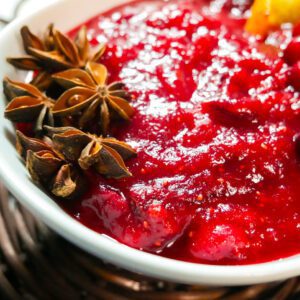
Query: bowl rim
102, 246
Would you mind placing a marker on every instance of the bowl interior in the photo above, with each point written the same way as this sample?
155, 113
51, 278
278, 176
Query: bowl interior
66, 15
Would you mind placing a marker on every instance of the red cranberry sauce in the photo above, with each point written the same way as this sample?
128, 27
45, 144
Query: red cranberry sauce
217, 177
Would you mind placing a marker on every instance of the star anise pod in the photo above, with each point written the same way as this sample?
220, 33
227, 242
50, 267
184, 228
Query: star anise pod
53, 53
49, 168
91, 98
105, 155
27, 104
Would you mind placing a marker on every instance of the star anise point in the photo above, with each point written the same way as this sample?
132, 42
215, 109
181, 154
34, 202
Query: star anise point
94, 97
27, 104
55, 52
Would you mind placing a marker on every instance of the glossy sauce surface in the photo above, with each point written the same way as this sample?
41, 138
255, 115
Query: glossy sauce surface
217, 177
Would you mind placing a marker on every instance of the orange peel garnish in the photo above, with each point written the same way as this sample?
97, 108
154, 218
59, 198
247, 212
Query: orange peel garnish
270, 14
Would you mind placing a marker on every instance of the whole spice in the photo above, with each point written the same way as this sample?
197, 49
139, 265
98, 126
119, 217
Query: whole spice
105, 155
49, 168
58, 160
55, 52
27, 104
91, 97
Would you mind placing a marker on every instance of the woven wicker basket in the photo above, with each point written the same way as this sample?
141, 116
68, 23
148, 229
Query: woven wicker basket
35, 263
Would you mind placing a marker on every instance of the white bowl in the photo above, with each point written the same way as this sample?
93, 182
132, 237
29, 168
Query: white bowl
66, 15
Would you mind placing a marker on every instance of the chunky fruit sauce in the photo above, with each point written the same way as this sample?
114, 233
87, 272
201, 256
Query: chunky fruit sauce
217, 177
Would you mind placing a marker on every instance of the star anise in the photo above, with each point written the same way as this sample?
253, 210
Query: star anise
49, 168
105, 155
91, 98
54, 53
27, 104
